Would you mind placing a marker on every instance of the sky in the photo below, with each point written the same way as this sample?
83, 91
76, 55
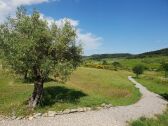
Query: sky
105, 26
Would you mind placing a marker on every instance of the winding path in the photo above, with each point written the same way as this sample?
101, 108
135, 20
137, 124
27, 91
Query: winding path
149, 105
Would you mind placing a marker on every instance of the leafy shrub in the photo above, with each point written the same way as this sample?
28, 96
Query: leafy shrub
138, 69
116, 65
104, 62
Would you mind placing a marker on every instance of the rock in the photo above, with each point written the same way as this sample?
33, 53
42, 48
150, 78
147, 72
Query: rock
109, 105
36, 115
84, 109
45, 114
98, 108
88, 109
66, 111
103, 105
80, 110
73, 110
24, 118
30, 118
51, 113
59, 113
19, 118
13, 117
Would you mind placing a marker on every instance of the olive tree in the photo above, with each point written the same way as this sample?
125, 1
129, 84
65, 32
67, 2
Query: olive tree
138, 69
30, 45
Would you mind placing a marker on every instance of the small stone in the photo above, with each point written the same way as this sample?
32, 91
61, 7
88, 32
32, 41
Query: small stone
45, 114
109, 105
30, 118
59, 113
51, 113
80, 110
85, 109
24, 118
103, 105
13, 117
88, 108
19, 118
66, 111
98, 108
37, 115
73, 110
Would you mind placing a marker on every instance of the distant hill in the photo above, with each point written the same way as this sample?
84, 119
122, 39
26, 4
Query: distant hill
161, 52
102, 56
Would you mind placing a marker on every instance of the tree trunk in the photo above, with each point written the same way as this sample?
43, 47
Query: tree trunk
38, 89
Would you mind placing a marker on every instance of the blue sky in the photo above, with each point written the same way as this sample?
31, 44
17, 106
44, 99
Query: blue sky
112, 26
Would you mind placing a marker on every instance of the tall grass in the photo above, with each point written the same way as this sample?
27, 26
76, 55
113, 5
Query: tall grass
86, 87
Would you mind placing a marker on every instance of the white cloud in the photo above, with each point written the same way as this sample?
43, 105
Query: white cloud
89, 41
26, 2
50, 20
8, 7
60, 22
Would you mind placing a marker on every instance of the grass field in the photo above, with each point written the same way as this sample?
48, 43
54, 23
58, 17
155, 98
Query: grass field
154, 82
86, 87
151, 63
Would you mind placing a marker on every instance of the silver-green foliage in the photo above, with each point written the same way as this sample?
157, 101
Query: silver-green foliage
28, 42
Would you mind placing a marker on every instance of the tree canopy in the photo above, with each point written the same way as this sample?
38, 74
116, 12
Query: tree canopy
138, 69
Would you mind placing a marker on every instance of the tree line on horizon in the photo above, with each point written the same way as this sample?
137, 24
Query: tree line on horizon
161, 52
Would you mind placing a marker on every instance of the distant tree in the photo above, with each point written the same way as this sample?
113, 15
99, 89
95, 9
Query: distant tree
138, 69
164, 67
104, 62
30, 45
116, 65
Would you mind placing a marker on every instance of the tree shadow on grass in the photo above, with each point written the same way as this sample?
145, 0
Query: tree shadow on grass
165, 96
60, 94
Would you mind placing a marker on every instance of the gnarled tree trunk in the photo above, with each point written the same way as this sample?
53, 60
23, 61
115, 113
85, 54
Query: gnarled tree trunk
38, 89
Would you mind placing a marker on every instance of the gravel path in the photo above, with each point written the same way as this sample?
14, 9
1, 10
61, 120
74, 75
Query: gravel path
149, 105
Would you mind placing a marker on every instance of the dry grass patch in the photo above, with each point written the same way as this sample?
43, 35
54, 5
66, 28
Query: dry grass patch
86, 87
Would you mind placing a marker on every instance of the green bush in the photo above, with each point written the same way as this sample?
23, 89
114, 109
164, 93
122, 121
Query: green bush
138, 69
116, 65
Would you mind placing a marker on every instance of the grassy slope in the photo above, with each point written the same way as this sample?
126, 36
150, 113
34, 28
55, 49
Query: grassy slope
150, 62
108, 86
152, 81
87, 87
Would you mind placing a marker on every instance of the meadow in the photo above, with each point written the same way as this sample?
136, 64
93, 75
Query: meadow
150, 63
87, 87
153, 79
